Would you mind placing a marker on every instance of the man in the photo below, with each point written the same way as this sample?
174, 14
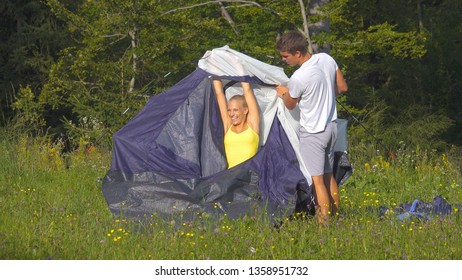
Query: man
314, 86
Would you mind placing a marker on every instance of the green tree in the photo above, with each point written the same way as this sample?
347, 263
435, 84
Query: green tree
121, 52
30, 41
382, 47
439, 70
126, 50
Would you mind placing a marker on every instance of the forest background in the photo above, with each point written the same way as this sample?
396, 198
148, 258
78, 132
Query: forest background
72, 72
79, 70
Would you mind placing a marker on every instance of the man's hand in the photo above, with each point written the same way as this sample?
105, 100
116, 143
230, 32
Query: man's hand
282, 91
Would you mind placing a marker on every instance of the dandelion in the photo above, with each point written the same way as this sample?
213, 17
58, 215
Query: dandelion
367, 166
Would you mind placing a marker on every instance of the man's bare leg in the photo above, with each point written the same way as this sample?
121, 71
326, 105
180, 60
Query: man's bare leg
322, 199
332, 189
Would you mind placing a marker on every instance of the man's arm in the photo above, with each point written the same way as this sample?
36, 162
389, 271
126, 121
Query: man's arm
341, 83
283, 93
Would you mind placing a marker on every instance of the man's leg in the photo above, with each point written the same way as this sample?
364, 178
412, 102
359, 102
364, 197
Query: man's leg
329, 179
332, 189
314, 156
322, 199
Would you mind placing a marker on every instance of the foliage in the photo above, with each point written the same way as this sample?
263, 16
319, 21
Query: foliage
102, 60
30, 117
122, 51
385, 52
84, 68
440, 68
31, 40
53, 208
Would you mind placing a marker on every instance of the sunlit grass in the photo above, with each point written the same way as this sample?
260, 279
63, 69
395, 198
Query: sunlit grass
52, 207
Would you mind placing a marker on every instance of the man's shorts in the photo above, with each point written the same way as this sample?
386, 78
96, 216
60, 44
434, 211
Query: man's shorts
317, 149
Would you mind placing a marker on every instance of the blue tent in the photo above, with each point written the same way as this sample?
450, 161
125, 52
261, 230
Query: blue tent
169, 159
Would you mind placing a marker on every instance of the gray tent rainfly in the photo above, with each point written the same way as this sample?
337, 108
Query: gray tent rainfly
169, 159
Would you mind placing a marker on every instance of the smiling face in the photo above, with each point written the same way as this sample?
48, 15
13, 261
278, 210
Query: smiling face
237, 111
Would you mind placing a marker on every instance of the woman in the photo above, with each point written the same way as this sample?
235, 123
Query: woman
241, 123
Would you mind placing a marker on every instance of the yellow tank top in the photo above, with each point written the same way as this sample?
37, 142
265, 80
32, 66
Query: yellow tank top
239, 147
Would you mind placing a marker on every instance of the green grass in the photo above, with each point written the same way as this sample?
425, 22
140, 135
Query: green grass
52, 207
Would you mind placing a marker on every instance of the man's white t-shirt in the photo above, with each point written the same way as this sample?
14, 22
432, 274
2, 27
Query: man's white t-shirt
314, 83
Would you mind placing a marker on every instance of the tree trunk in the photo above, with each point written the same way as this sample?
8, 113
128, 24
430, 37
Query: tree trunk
305, 25
419, 14
133, 35
228, 18
314, 28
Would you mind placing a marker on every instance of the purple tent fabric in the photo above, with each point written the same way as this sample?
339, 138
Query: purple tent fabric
169, 159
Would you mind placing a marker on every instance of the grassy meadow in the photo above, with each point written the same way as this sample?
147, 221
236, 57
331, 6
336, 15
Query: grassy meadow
52, 207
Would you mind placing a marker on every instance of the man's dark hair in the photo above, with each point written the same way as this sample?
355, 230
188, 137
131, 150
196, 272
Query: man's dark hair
291, 42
